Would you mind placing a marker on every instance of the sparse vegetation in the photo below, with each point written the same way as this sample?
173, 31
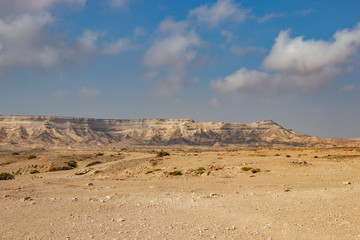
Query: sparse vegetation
93, 163
72, 164
98, 171
200, 170
31, 157
288, 156
316, 157
34, 171
99, 154
6, 176
157, 169
162, 154
176, 173
246, 168
276, 155
154, 163
15, 153
255, 170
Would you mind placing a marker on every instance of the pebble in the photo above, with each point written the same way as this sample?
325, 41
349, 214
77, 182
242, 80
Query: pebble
346, 183
120, 220
212, 194
74, 199
26, 199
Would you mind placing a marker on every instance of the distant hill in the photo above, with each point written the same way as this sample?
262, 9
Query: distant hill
31, 132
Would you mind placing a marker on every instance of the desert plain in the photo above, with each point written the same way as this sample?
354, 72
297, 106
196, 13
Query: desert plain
188, 194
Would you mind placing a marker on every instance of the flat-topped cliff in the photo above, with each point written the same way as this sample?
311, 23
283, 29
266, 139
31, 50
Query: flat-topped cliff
27, 132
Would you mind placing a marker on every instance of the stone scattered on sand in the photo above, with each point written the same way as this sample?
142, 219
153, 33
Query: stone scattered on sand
74, 199
26, 199
212, 194
346, 183
120, 220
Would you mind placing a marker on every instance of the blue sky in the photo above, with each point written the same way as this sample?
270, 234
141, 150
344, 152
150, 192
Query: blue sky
295, 62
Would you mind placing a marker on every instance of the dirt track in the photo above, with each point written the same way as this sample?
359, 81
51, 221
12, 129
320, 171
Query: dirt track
297, 194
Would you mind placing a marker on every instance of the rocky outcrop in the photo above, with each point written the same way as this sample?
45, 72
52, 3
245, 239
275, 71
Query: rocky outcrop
29, 132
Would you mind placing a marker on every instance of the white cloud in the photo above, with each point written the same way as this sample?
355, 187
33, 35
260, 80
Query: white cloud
241, 51
117, 47
219, 12
89, 92
306, 56
171, 26
306, 11
139, 32
172, 51
119, 3
297, 64
243, 80
26, 43
172, 54
229, 35
269, 16
16, 7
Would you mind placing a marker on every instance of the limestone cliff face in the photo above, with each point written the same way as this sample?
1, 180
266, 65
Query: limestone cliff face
24, 132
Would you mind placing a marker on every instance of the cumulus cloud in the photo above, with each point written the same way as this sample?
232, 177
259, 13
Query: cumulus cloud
89, 92
171, 26
139, 32
219, 12
16, 7
117, 47
269, 16
228, 35
243, 80
295, 63
27, 44
172, 54
26, 41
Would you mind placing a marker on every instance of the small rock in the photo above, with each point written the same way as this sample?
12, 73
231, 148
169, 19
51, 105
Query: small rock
90, 184
6, 195
26, 199
212, 194
346, 183
120, 220
74, 199
108, 197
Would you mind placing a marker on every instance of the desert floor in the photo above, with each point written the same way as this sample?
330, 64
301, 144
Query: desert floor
133, 194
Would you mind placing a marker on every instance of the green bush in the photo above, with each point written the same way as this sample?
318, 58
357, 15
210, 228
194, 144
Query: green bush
98, 171
246, 168
93, 163
200, 170
176, 173
162, 154
31, 157
34, 171
6, 176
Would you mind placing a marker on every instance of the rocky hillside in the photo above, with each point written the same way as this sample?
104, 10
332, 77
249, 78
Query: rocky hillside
29, 132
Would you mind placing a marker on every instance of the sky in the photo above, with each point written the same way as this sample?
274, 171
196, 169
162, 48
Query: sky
295, 62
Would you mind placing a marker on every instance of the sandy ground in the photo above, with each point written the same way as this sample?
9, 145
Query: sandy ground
297, 194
